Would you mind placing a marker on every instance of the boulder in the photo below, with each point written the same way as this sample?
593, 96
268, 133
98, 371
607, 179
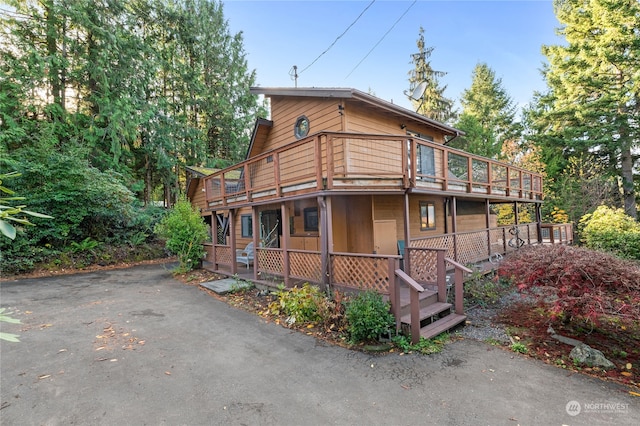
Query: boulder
585, 354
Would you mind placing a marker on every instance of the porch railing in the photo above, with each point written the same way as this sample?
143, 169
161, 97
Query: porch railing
343, 161
557, 233
474, 246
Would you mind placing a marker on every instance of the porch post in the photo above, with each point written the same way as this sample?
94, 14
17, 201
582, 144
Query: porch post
406, 263
454, 226
232, 241
285, 243
539, 222
515, 212
214, 239
487, 212
324, 243
255, 218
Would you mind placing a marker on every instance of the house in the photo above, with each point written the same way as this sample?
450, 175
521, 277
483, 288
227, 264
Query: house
346, 190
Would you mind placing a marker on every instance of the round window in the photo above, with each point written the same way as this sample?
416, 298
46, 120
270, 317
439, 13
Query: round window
301, 128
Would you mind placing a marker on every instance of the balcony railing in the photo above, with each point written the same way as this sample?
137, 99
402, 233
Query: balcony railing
349, 161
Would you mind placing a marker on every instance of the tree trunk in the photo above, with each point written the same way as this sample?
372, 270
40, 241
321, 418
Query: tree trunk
628, 192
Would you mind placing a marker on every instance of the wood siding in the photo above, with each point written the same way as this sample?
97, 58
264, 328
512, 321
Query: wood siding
361, 119
323, 115
356, 236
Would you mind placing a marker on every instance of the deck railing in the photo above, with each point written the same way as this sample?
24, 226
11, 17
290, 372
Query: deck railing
344, 161
557, 233
475, 246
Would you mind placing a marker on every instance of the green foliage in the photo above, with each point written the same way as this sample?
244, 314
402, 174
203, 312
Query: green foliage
611, 230
519, 347
368, 317
156, 85
88, 244
487, 115
591, 106
184, 232
484, 290
10, 337
301, 305
432, 103
424, 346
13, 213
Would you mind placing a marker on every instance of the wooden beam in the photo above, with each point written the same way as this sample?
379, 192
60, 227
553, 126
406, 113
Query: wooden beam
284, 212
232, 242
324, 243
255, 222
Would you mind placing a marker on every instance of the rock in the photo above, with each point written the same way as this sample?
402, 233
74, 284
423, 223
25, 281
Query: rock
585, 354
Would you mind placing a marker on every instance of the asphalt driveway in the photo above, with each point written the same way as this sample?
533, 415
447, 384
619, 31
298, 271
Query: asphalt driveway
135, 347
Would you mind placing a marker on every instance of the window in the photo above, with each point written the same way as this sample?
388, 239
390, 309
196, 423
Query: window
425, 161
427, 215
247, 225
311, 219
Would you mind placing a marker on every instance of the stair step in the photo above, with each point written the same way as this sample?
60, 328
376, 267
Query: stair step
441, 325
428, 311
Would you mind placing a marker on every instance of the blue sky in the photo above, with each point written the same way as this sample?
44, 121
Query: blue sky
507, 35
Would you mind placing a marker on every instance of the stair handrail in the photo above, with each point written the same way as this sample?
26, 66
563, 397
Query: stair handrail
459, 272
414, 304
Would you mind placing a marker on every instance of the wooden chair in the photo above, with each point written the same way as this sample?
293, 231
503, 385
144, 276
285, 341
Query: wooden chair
245, 255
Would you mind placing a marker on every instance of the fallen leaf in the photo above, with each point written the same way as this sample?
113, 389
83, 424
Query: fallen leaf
62, 350
634, 393
168, 373
310, 326
141, 342
626, 374
100, 348
28, 312
46, 325
44, 376
113, 359
629, 366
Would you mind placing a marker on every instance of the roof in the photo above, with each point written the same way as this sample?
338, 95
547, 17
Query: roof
201, 171
346, 93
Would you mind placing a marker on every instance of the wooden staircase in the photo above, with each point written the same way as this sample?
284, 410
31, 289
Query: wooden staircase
423, 310
435, 317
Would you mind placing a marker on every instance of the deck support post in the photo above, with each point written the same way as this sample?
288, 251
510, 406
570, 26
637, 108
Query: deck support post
487, 212
255, 222
539, 222
214, 239
454, 226
407, 235
324, 244
286, 267
232, 241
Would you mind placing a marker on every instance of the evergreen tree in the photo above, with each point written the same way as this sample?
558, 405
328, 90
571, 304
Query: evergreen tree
592, 106
487, 115
431, 101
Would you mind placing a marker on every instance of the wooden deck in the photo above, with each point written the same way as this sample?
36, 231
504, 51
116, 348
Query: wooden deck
353, 162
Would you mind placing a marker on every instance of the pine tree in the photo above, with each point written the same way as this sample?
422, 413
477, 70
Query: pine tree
592, 106
431, 102
487, 115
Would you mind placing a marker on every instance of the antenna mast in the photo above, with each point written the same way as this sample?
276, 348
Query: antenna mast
293, 73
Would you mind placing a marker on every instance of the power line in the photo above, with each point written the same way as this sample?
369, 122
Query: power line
383, 37
339, 37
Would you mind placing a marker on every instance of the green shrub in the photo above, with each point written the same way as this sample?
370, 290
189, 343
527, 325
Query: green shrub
368, 317
611, 230
424, 346
184, 232
301, 305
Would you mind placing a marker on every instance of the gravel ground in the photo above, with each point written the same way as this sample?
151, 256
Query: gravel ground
482, 323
